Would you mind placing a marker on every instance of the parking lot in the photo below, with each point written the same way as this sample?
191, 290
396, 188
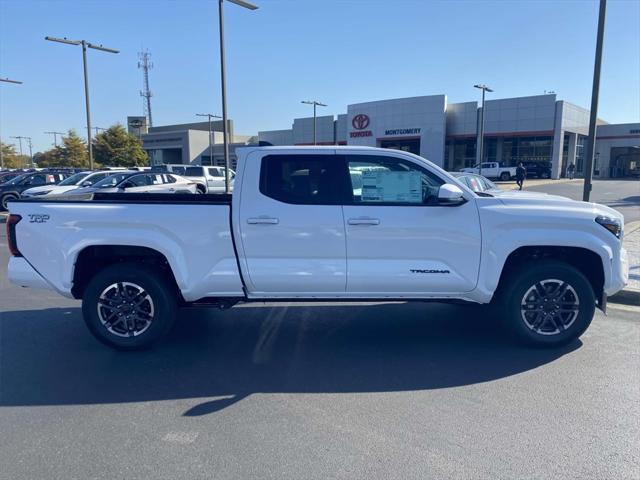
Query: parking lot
394, 390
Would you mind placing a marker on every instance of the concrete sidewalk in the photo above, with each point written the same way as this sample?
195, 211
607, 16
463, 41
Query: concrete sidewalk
534, 182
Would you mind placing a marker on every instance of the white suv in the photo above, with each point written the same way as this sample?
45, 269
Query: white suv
210, 179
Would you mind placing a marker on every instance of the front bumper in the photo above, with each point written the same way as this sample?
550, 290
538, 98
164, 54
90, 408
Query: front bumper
21, 273
619, 273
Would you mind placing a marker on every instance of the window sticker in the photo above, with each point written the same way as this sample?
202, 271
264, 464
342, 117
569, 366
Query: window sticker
388, 186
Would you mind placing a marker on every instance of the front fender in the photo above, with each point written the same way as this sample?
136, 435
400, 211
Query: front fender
498, 248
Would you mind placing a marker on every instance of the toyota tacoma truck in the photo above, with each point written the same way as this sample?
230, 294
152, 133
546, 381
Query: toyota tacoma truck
322, 223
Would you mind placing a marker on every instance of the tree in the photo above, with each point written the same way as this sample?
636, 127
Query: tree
48, 158
72, 152
11, 158
118, 148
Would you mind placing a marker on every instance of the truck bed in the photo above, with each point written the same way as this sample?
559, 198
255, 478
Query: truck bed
191, 231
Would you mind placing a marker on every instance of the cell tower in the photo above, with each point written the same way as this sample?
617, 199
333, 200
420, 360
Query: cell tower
145, 64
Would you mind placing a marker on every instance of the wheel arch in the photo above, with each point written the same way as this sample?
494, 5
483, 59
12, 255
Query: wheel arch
586, 261
95, 258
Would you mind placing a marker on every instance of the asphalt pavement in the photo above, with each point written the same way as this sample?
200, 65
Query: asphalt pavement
395, 390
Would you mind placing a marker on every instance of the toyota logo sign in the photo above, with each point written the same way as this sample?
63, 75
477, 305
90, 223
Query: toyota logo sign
360, 121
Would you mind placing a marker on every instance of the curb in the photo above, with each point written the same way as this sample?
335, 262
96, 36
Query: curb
631, 227
626, 297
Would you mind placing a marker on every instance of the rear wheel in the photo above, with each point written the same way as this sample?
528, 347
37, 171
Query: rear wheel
547, 304
129, 307
505, 176
4, 201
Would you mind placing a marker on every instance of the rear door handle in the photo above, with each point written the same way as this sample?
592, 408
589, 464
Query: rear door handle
262, 221
363, 221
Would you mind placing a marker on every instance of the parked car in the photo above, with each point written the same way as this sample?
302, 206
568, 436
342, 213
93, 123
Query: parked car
493, 170
477, 183
9, 175
12, 189
297, 228
210, 179
485, 187
79, 180
538, 169
137, 182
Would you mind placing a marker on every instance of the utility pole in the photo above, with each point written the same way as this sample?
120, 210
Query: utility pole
595, 92
30, 151
85, 45
146, 65
6, 80
315, 104
55, 137
480, 142
209, 116
223, 82
20, 143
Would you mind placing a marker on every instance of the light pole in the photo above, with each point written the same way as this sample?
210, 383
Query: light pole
7, 80
55, 137
315, 104
209, 116
484, 89
223, 81
85, 45
595, 91
19, 138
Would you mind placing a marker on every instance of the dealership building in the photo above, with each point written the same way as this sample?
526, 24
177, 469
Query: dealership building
538, 128
188, 143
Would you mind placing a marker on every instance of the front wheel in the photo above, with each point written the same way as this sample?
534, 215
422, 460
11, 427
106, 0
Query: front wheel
504, 176
129, 307
547, 304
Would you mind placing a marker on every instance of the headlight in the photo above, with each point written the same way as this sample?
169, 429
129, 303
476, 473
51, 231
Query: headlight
611, 224
41, 192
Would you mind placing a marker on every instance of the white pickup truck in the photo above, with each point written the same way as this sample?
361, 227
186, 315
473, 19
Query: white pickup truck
297, 227
492, 170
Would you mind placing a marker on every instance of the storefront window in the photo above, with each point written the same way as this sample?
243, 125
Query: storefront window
526, 149
463, 154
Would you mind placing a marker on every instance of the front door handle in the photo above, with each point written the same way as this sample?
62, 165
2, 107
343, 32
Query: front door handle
262, 221
363, 221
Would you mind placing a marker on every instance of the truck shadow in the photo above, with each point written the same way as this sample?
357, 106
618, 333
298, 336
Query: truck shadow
47, 357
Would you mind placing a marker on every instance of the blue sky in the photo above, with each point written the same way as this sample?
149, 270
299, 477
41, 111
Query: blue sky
337, 51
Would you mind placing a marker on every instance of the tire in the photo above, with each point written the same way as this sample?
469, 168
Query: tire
6, 199
504, 176
201, 189
141, 285
537, 322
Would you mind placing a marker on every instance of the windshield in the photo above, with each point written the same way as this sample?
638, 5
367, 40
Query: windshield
111, 180
74, 179
17, 180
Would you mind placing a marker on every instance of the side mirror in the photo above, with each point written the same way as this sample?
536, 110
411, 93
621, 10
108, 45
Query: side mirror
86, 183
450, 194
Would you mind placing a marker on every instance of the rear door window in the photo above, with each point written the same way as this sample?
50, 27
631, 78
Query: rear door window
303, 179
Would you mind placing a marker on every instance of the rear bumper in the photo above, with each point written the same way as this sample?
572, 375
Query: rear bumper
21, 273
